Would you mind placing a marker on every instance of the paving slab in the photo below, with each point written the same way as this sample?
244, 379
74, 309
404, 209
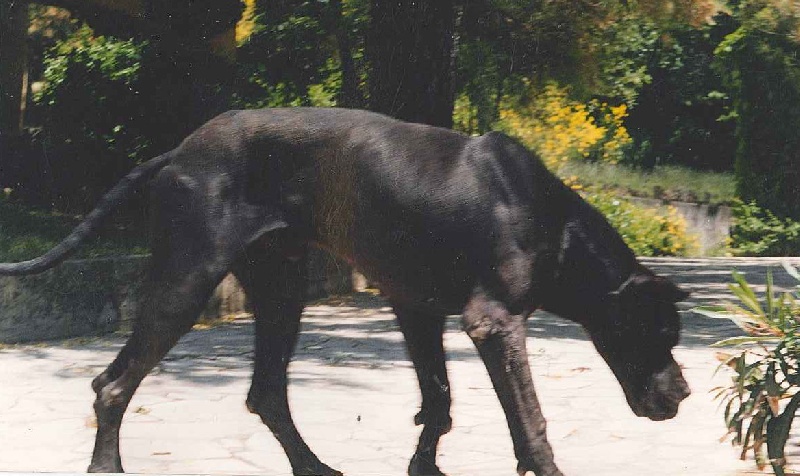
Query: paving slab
353, 393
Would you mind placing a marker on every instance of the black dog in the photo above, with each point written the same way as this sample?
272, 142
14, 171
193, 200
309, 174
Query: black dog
443, 222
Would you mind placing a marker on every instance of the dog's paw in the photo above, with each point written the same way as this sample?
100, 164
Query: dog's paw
523, 469
105, 468
316, 469
420, 466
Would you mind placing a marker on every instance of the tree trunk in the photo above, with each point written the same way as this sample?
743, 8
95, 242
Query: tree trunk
13, 66
186, 85
349, 96
410, 48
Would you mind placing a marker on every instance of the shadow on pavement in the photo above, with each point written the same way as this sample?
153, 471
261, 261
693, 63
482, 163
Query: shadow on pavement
360, 330
362, 337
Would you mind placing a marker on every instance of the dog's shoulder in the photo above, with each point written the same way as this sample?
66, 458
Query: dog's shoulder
507, 163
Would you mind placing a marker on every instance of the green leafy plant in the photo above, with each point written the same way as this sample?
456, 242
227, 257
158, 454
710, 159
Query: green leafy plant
93, 115
647, 231
670, 182
759, 232
755, 61
764, 394
90, 87
27, 232
560, 129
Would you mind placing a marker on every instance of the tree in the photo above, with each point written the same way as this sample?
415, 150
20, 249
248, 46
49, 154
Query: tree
679, 112
13, 74
294, 46
350, 94
183, 55
410, 48
190, 44
759, 63
597, 48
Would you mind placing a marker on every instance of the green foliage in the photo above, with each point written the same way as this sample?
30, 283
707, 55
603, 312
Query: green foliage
679, 116
624, 52
761, 401
28, 232
603, 49
659, 65
758, 232
648, 232
91, 109
502, 42
291, 57
288, 50
560, 129
478, 104
89, 88
670, 182
759, 64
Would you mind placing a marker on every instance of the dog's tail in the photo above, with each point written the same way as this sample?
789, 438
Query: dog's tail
111, 200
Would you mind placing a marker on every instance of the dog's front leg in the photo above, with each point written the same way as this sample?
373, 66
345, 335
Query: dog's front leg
500, 339
423, 336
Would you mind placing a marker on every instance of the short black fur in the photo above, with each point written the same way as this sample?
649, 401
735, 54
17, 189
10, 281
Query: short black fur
444, 223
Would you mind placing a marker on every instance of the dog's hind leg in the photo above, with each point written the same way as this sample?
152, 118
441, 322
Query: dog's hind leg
276, 286
423, 337
198, 234
172, 299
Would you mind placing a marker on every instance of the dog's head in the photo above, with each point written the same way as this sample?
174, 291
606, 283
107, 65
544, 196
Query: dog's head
635, 335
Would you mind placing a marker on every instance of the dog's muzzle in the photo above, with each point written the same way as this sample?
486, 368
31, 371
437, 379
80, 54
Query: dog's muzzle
661, 395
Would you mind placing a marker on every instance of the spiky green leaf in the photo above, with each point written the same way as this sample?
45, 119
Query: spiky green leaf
744, 340
793, 272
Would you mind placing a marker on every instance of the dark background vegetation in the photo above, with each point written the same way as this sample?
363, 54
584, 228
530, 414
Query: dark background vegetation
91, 88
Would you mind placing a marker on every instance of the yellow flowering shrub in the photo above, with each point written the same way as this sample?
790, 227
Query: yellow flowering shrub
560, 129
465, 115
617, 138
647, 231
247, 23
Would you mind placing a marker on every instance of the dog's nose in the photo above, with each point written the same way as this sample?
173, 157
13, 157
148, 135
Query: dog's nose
685, 390
673, 383
682, 389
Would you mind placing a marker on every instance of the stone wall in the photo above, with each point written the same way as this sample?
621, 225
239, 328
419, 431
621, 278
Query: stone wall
76, 298
710, 223
97, 296
90, 297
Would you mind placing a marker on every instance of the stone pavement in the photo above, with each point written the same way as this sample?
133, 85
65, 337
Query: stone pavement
354, 394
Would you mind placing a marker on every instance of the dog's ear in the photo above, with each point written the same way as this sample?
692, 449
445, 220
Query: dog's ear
667, 291
646, 284
671, 292
632, 286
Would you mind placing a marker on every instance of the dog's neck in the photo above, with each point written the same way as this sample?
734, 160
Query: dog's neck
594, 262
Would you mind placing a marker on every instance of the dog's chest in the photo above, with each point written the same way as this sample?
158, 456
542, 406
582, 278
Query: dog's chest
334, 205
